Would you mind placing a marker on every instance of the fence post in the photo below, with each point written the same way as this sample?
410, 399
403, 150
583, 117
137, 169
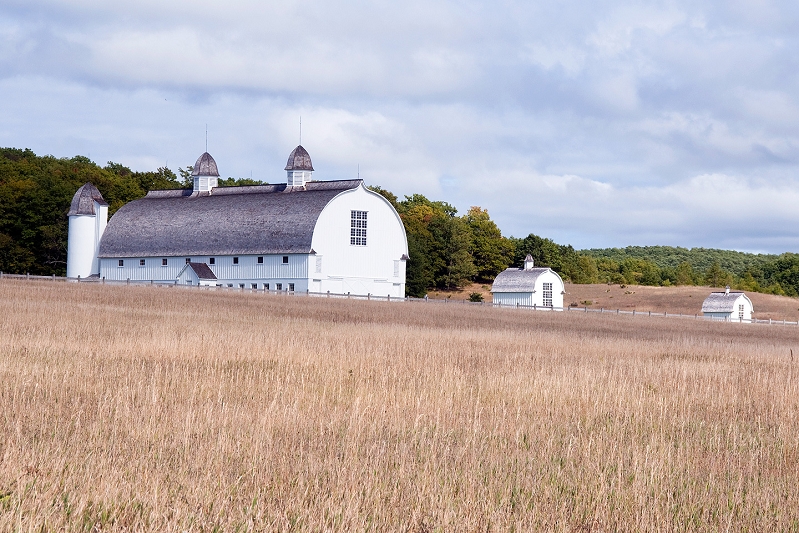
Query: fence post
27, 275
368, 295
328, 294
633, 312
650, 313
128, 282
389, 297
53, 277
1, 274
103, 280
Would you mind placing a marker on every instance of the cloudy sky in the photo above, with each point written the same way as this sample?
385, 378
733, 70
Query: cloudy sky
603, 123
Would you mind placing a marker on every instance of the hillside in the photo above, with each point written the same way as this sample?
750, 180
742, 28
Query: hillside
687, 300
699, 258
129, 410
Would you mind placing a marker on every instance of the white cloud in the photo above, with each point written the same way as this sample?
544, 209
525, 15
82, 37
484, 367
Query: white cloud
609, 123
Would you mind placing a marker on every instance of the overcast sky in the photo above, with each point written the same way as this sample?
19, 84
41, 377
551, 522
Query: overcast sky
602, 123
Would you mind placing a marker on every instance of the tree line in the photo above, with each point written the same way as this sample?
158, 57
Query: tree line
446, 250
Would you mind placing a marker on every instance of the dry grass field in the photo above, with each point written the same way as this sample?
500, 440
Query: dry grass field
161, 409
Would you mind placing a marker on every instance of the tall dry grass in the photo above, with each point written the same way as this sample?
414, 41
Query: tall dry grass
174, 410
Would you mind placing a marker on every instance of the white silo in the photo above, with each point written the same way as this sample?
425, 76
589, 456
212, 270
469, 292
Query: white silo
88, 216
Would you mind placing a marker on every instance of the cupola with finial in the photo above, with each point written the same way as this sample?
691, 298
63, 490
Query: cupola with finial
205, 174
528, 262
299, 168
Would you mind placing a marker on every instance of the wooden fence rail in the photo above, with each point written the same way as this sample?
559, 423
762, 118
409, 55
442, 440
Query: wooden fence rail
425, 300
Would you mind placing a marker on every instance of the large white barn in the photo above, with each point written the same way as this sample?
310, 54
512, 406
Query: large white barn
731, 306
301, 235
529, 286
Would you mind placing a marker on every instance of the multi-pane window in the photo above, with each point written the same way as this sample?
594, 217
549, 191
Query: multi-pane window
318, 263
121, 262
278, 286
188, 260
358, 228
740, 311
547, 295
141, 262
254, 285
163, 261
266, 286
291, 287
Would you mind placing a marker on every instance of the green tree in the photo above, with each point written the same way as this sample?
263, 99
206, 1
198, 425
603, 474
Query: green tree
492, 253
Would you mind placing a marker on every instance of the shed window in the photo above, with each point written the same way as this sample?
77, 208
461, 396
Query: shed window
163, 262
188, 260
260, 259
266, 286
212, 260
141, 262
358, 228
278, 286
121, 262
235, 260
291, 287
547, 295
229, 284
285, 260
254, 285
241, 285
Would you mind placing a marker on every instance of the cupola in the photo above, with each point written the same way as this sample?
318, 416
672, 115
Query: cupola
528, 262
299, 168
205, 173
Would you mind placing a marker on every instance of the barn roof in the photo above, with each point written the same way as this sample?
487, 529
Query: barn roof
722, 302
205, 166
299, 159
256, 219
202, 270
518, 279
83, 201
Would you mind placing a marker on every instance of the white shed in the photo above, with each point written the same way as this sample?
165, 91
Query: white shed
529, 286
196, 274
734, 306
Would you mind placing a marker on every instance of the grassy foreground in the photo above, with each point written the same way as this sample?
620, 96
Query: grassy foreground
147, 409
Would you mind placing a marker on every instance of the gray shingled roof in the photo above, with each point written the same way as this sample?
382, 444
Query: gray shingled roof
299, 159
517, 280
721, 302
83, 201
205, 166
257, 219
202, 270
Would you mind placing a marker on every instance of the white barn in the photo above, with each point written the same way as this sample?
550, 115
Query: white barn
301, 235
732, 306
530, 286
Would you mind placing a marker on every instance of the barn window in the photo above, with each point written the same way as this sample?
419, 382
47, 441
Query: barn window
740, 311
121, 262
291, 287
260, 260
396, 268
318, 263
285, 260
266, 286
235, 260
188, 260
163, 262
278, 286
212, 260
254, 285
241, 285
229, 284
547, 295
141, 262
358, 228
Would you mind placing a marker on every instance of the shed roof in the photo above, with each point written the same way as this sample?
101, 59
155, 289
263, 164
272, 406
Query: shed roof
255, 219
202, 270
518, 279
83, 201
722, 302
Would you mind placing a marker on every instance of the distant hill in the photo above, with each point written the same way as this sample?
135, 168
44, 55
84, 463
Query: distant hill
700, 258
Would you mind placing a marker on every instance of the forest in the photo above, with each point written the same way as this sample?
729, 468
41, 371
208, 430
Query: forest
447, 250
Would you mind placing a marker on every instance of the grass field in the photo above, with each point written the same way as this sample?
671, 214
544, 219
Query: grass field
161, 409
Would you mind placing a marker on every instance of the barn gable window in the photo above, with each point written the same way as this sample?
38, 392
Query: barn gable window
141, 262
121, 262
188, 260
358, 228
163, 262
547, 295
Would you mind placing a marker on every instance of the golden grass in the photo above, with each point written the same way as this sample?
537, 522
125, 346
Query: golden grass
161, 409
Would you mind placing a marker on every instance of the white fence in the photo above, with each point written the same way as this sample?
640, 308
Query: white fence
425, 300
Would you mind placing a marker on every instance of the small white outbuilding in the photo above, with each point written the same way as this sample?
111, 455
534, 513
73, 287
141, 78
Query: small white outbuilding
732, 306
529, 286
